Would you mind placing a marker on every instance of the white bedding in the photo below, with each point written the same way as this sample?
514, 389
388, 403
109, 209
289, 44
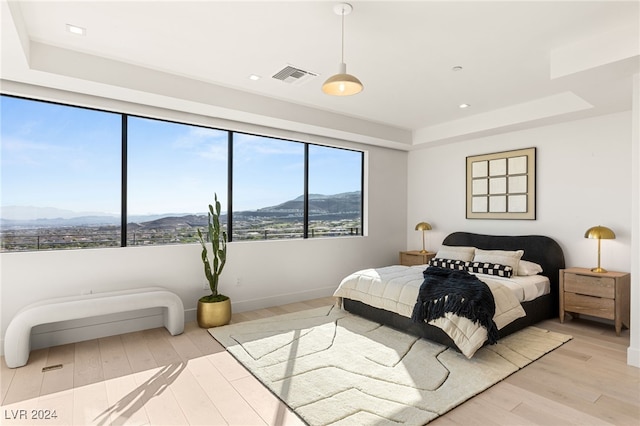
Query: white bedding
395, 288
525, 288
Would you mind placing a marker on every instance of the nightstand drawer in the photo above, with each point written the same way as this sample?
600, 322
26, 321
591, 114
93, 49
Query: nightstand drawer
596, 306
590, 285
411, 258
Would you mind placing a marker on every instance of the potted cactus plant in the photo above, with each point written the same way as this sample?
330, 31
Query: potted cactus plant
213, 309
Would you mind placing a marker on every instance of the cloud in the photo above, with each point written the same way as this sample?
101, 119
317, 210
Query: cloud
249, 147
16, 151
204, 142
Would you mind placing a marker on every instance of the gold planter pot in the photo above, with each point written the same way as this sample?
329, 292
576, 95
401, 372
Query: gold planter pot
214, 314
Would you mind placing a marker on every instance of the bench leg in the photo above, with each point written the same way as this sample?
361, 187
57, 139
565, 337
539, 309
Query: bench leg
174, 320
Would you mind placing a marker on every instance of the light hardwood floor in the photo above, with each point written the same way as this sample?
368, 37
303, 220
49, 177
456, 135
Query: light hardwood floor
151, 377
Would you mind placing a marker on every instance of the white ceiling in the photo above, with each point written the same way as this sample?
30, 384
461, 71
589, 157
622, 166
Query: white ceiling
524, 63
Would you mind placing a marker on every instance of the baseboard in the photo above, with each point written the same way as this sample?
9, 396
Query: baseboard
633, 357
190, 315
280, 299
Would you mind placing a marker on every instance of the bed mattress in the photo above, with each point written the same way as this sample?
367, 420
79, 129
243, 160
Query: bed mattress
395, 288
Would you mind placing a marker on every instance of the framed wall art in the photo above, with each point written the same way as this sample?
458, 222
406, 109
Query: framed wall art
502, 185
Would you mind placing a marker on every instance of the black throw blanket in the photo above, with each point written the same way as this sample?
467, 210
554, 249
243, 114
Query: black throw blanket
459, 292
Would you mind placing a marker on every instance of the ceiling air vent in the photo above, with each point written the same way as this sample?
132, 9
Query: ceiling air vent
293, 75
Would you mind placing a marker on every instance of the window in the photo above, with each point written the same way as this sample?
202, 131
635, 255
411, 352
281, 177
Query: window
173, 171
61, 169
268, 188
70, 174
335, 192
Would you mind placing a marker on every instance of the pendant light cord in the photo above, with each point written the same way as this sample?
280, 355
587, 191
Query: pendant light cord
342, 57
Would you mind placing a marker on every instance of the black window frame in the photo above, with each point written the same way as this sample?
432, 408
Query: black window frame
230, 141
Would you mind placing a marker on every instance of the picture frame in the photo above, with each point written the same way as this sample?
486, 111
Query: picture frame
502, 185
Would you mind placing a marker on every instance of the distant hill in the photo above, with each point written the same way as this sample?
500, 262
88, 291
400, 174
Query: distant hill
320, 206
344, 204
22, 213
60, 222
170, 222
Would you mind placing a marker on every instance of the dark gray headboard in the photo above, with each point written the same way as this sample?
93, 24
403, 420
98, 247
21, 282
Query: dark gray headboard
537, 248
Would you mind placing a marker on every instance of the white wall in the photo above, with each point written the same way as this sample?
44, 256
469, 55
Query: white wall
633, 353
270, 272
584, 178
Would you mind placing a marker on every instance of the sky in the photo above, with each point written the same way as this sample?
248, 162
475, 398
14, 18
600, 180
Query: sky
70, 158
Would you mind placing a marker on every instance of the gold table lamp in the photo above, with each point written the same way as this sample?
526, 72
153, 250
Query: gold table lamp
600, 233
423, 226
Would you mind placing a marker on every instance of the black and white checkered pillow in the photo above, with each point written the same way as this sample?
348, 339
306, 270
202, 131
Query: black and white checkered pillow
459, 265
490, 269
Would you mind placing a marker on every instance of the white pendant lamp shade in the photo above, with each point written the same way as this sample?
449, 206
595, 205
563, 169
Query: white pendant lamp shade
342, 84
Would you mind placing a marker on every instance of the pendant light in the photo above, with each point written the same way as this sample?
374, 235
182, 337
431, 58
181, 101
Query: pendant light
342, 84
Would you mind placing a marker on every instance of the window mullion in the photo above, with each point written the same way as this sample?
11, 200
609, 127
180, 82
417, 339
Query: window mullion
305, 214
123, 195
230, 186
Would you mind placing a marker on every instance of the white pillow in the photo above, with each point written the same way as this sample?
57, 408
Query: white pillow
528, 268
501, 257
456, 253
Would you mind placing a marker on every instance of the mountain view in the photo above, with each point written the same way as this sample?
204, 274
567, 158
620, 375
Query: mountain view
30, 228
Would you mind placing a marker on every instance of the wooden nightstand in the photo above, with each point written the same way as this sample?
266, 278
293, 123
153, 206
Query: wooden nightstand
602, 295
414, 257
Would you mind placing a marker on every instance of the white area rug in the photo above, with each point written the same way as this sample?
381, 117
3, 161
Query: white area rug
332, 367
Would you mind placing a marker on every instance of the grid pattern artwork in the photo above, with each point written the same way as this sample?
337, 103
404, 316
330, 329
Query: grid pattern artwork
501, 185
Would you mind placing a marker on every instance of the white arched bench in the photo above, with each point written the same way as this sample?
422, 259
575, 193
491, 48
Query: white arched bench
17, 340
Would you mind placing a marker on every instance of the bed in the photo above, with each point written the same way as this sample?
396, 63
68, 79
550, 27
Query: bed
538, 249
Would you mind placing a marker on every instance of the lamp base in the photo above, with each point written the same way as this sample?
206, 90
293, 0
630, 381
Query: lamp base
423, 251
599, 270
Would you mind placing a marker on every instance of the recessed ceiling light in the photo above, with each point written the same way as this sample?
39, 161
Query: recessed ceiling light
463, 106
254, 77
74, 29
456, 68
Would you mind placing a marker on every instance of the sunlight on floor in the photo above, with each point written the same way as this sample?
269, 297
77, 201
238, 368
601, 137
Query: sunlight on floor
213, 389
